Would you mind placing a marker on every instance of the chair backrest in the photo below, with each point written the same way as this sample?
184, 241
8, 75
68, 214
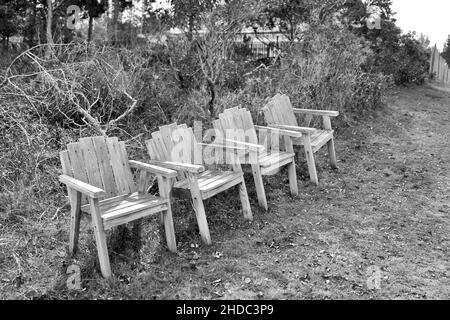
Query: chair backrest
236, 124
279, 111
175, 143
101, 162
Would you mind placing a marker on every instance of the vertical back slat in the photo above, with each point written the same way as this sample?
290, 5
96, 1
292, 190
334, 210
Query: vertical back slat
104, 163
77, 162
160, 146
166, 135
90, 162
128, 177
65, 163
288, 111
250, 126
116, 164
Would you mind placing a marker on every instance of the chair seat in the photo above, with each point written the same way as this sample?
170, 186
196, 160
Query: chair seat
318, 139
126, 208
212, 182
274, 158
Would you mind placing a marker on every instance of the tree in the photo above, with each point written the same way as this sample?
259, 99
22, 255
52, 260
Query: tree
187, 14
115, 7
93, 9
48, 32
8, 24
446, 52
285, 14
424, 40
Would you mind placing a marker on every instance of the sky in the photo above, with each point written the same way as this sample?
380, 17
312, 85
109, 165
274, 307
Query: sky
430, 17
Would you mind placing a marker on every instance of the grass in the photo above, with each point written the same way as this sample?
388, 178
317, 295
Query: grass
386, 207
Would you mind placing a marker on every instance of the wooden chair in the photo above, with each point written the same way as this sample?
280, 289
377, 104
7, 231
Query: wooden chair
99, 180
175, 147
235, 126
280, 114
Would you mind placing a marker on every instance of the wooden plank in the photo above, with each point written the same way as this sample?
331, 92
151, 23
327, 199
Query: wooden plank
130, 207
165, 190
91, 163
330, 143
197, 203
100, 238
317, 112
158, 170
127, 169
309, 153
211, 176
77, 162
221, 188
181, 184
250, 127
292, 175
274, 158
246, 208
219, 180
268, 112
259, 185
117, 166
106, 207
81, 186
75, 217
152, 151
106, 202
178, 166
275, 168
321, 139
285, 111
65, 163
160, 147
132, 216
104, 164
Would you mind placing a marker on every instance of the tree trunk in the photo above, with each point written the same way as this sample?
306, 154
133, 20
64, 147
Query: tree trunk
112, 21
49, 37
5, 48
91, 25
115, 21
212, 92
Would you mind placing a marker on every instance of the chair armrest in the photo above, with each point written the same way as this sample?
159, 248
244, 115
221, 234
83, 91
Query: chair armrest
304, 130
226, 146
249, 146
84, 188
289, 133
153, 169
192, 168
328, 113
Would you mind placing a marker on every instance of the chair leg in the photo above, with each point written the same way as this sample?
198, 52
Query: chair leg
246, 209
311, 163
75, 215
170, 230
100, 239
161, 187
166, 218
199, 208
332, 154
259, 184
293, 178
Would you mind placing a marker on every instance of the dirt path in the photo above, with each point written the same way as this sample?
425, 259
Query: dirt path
377, 228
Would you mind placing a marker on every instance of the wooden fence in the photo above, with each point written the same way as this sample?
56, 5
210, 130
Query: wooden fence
439, 68
262, 50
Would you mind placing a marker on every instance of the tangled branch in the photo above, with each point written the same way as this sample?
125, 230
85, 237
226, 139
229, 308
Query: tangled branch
83, 86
